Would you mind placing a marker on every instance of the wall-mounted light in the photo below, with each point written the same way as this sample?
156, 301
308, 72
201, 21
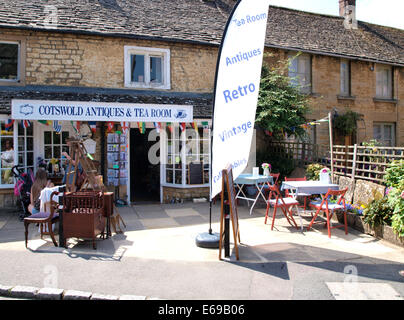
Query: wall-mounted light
372, 66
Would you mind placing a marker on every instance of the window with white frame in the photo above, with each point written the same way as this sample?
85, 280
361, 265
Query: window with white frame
384, 82
7, 155
147, 67
25, 147
9, 61
384, 133
183, 148
300, 72
345, 78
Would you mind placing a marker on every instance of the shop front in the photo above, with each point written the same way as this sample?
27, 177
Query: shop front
145, 152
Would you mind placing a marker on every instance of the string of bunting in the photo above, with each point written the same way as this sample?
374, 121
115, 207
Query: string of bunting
305, 126
312, 123
110, 125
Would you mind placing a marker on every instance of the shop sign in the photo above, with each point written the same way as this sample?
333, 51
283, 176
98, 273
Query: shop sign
99, 111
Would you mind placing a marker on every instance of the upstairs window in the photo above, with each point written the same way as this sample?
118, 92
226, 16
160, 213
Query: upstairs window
300, 72
345, 78
384, 82
384, 133
9, 53
147, 67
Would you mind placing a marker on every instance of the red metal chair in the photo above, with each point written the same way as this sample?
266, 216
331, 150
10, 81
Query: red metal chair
275, 176
329, 209
305, 195
275, 200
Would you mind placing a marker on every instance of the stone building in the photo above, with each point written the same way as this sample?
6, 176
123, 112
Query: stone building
162, 54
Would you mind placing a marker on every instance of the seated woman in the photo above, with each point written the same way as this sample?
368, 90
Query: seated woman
41, 182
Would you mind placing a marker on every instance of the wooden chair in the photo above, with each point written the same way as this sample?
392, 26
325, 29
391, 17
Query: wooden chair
275, 200
305, 195
329, 209
44, 219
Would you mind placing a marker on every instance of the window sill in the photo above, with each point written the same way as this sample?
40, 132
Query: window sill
388, 100
146, 86
185, 186
6, 83
341, 97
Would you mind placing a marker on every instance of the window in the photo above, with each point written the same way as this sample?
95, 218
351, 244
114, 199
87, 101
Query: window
54, 144
26, 147
384, 133
183, 148
300, 72
7, 155
9, 61
345, 78
147, 67
384, 82
12, 60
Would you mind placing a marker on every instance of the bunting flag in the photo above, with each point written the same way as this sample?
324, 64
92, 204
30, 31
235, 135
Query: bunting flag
124, 126
56, 126
205, 125
195, 125
74, 127
182, 126
170, 127
142, 127
313, 123
110, 126
25, 123
9, 124
78, 124
45, 122
157, 125
93, 126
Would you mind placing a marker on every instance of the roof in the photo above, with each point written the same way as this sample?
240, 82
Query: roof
203, 21
201, 102
326, 34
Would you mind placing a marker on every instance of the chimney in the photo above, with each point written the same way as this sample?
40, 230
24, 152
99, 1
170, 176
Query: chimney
347, 9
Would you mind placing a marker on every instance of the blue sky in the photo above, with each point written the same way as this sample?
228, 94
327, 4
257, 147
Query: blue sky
382, 12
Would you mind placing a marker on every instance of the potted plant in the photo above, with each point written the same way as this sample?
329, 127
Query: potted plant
324, 175
267, 168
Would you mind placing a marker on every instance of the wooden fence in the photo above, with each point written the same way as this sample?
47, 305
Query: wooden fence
358, 162
362, 162
301, 153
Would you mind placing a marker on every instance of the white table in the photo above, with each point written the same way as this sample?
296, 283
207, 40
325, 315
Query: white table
308, 187
258, 181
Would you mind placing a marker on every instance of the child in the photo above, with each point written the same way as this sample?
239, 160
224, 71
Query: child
41, 182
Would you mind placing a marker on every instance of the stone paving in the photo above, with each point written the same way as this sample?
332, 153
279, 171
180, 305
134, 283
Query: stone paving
158, 256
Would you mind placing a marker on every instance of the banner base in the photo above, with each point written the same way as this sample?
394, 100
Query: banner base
207, 240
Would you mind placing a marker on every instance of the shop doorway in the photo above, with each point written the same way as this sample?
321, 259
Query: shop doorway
144, 176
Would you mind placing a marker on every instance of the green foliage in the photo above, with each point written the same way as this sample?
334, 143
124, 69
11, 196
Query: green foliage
281, 107
346, 124
378, 213
313, 171
372, 143
396, 202
280, 162
394, 173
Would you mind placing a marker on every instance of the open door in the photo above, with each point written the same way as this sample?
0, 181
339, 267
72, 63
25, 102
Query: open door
144, 176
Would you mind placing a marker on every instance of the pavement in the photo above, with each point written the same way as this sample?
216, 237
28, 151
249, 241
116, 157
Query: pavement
156, 258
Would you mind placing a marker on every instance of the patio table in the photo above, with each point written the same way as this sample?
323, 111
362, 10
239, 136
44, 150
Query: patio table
258, 181
309, 187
